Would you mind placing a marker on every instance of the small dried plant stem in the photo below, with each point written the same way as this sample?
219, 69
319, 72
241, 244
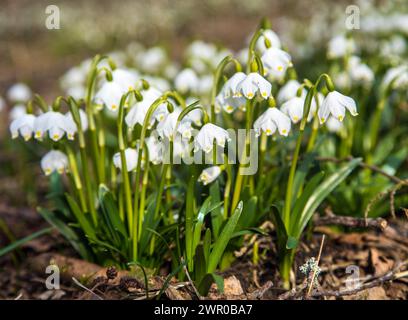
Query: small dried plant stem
317, 265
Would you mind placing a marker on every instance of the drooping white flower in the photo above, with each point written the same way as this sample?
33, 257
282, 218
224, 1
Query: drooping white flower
288, 91
294, 108
334, 125
396, 77
110, 94
202, 50
23, 126
230, 88
276, 62
209, 133
360, 72
340, 46
271, 120
19, 92
17, 111
166, 128
254, 83
209, 175
186, 81
54, 160
195, 115
155, 148
205, 84
131, 156
229, 104
271, 36
152, 60
335, 104
126, 79
55, 123
139, 110
72, 127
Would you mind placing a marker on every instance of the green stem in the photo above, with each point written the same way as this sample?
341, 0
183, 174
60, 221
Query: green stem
77, 180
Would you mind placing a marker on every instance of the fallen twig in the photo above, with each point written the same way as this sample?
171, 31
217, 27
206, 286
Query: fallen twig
377, 223
392, 275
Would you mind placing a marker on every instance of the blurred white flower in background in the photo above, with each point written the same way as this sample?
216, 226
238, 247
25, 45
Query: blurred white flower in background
54, 161
340, 46
19, 92
187, 80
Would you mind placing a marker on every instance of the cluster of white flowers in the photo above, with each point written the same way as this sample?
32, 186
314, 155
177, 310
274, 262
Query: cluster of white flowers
194, 81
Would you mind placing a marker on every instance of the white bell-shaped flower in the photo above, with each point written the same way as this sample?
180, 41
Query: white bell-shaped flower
23, 126
396, 77
334, 125
109, 95
126, 79
276, 62
131, 156
19, 92
71, 125
139, 110
187, 80
155, 148
209, 175
294, 108
335, 104
17, 111
209, 133
271, 36
254, 83
55, 123
271, 120
230, 88
229, 104
165, 129
288, 91
54, 160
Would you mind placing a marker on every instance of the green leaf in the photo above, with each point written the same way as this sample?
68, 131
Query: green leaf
279, 227
296, 212
291, 243
110, 214
249, 214
320, 193
14, 245
208, 280
197, 227
216, 215
189, 221
224, 238
77, 243
81, 217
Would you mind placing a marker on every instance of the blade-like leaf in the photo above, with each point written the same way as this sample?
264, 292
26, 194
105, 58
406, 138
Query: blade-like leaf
20, 242
321, 192
208, 280
224, 238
